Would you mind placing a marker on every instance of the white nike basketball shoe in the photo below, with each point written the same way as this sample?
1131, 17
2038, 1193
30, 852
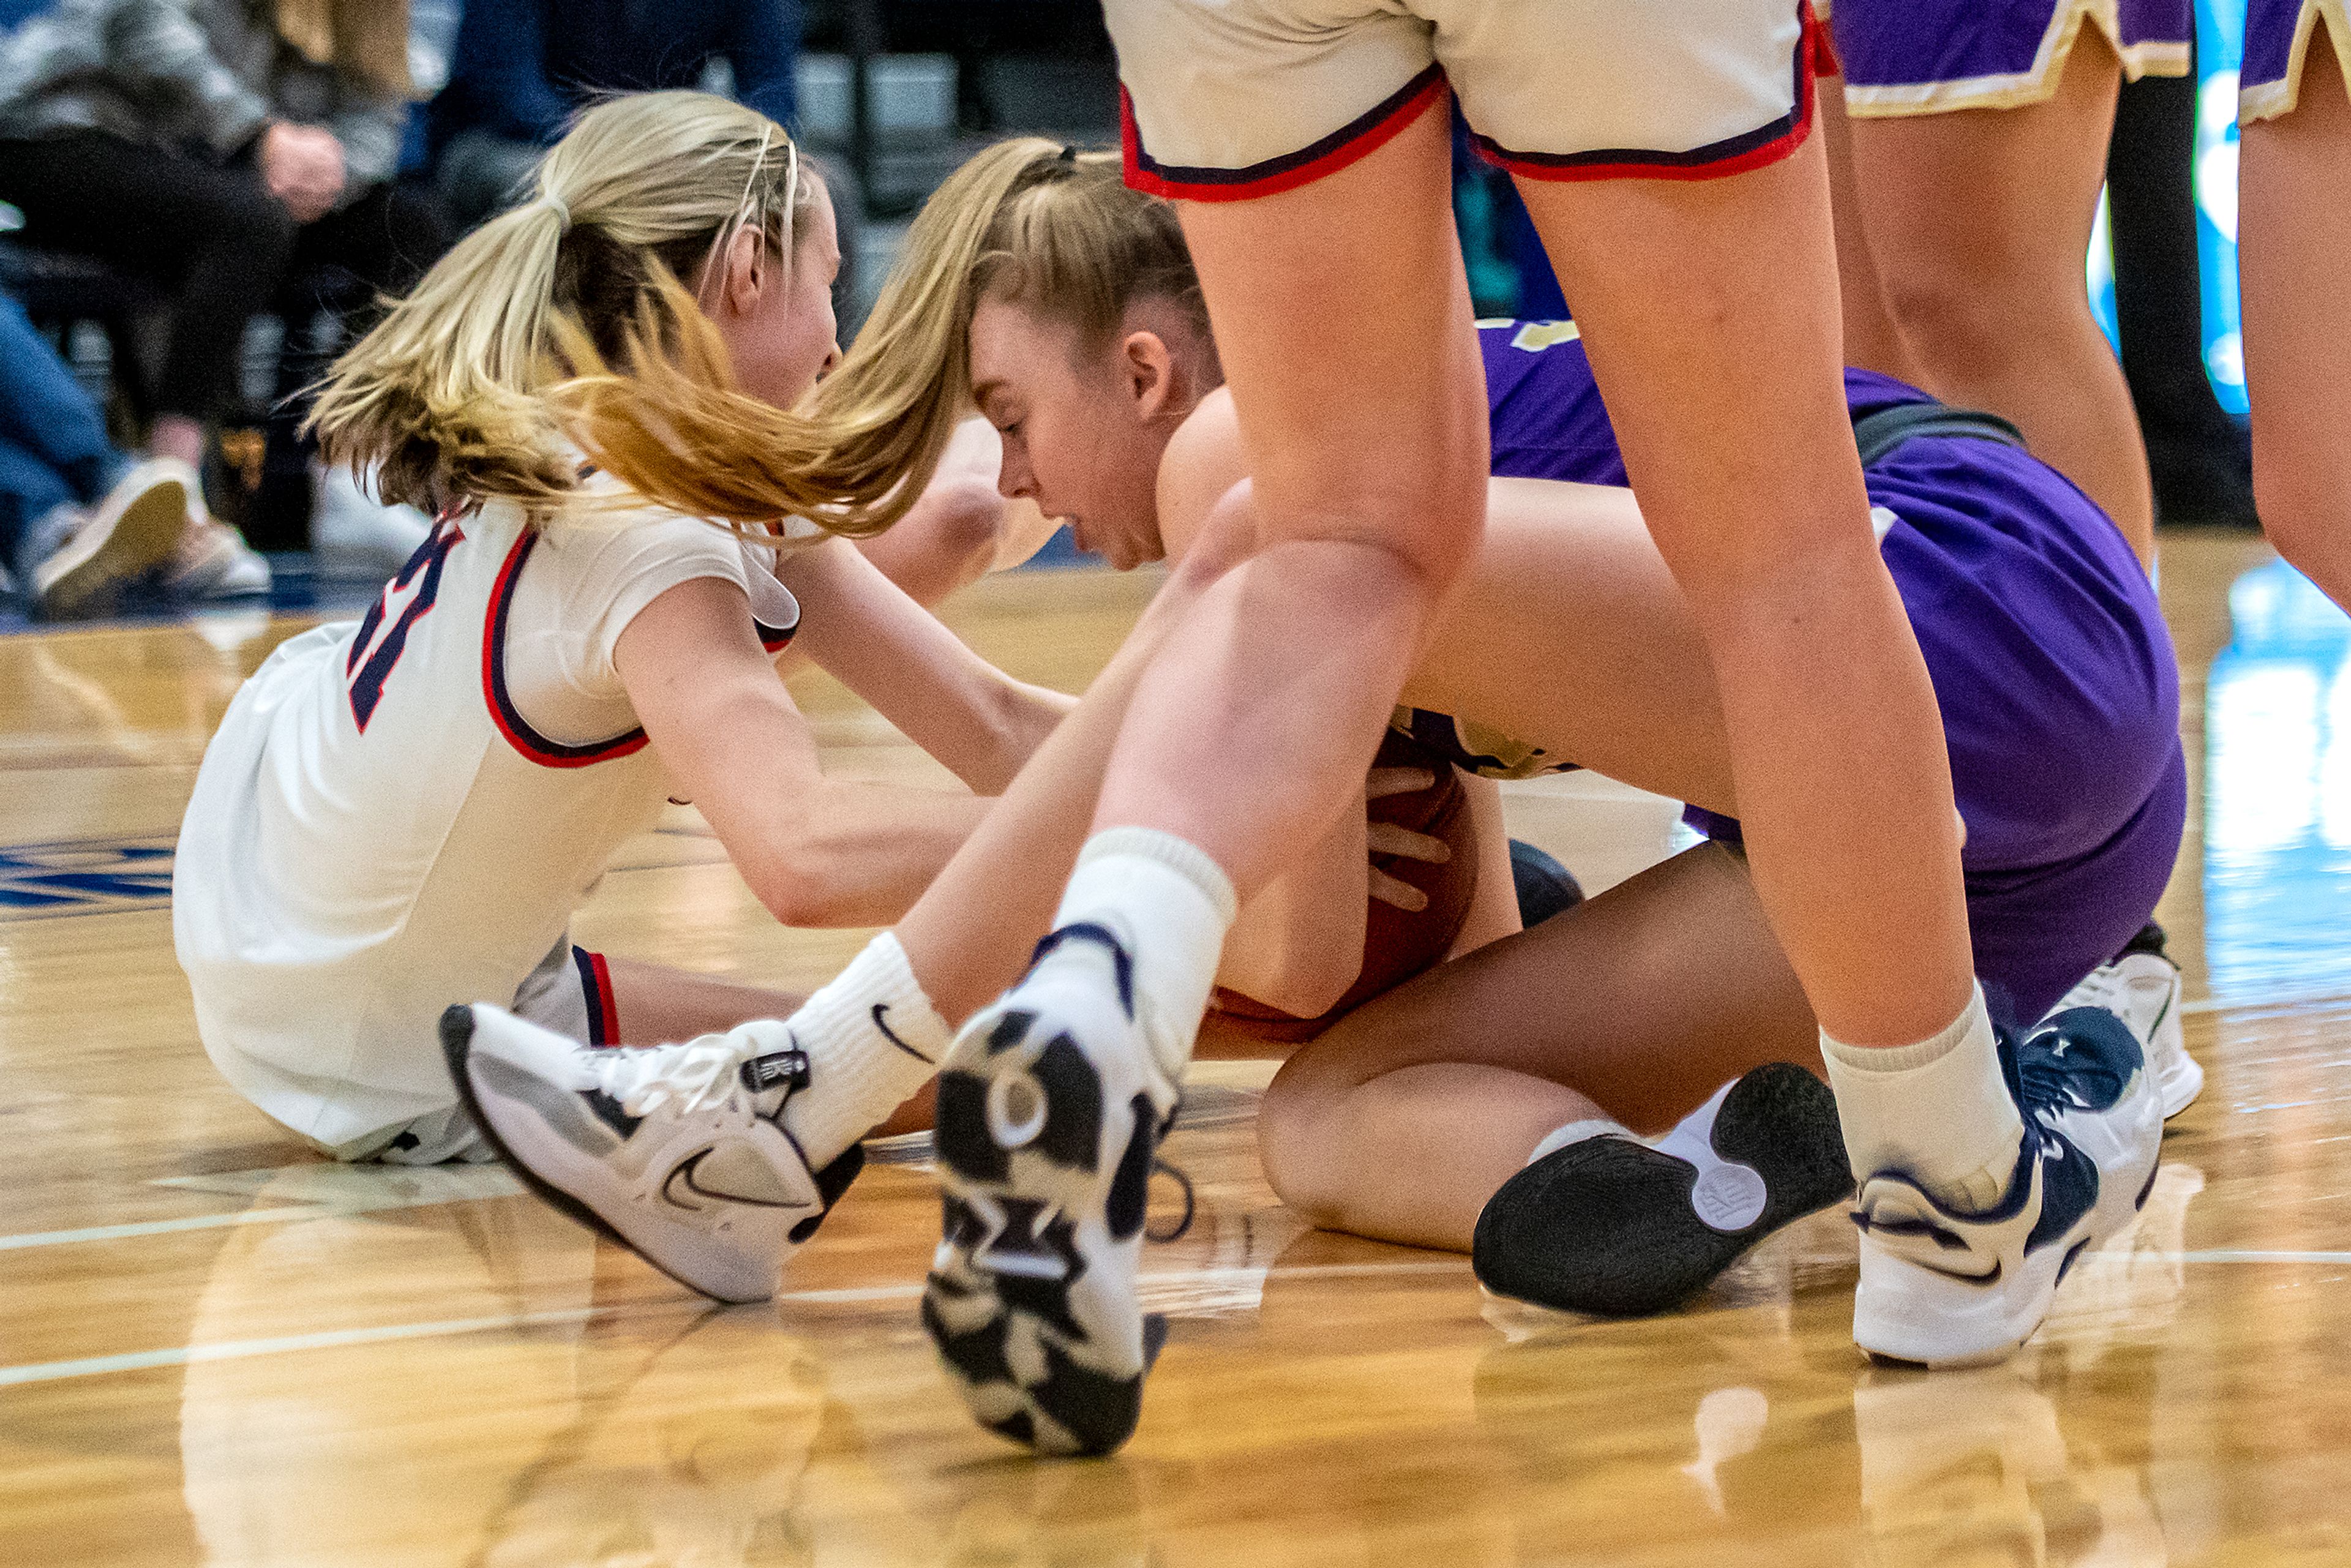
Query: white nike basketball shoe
678, 1152
1942, 1288
2142, 989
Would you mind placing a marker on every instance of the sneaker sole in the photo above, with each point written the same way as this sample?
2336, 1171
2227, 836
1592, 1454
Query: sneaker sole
142, 538
1031, 1299
1612, 1227
652, 1241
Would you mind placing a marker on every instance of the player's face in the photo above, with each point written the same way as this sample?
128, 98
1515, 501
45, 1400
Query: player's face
787, 339
1075, 440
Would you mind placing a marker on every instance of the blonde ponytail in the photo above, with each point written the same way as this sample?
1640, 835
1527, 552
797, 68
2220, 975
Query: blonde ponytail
676, 435
460, 394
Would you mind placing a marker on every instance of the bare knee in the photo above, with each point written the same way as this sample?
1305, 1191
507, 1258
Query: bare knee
1296, 1125
2305, 509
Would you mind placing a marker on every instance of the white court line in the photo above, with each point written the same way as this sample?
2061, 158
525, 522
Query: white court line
239, 1350
165, 1227
2263, 1000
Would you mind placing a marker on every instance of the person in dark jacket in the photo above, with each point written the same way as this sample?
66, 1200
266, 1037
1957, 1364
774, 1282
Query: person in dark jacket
222, 146
522, 69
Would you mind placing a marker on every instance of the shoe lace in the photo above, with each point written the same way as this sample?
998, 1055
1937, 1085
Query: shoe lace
2101, 987
685, 1078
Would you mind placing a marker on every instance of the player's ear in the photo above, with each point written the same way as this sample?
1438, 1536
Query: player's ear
742, 270
1149, 375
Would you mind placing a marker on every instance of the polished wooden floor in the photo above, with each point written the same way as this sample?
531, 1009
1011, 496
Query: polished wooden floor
214, 1348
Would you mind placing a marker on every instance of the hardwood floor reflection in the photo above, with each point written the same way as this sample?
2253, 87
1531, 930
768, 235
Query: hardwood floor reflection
215, 1348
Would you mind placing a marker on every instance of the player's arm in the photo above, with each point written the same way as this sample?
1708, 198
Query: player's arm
815, 851
881, 644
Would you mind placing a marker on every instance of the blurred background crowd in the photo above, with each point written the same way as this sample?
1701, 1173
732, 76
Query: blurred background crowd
201, 201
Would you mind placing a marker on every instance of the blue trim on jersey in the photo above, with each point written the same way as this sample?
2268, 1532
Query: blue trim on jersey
517, 730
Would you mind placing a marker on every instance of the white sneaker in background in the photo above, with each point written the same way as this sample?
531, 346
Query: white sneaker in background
213, 562
354, 535
2142, 989
133, 529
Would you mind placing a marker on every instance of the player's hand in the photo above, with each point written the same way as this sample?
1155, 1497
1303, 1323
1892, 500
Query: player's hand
1388, 839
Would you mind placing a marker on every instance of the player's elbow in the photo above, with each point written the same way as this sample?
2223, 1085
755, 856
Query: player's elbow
803, 885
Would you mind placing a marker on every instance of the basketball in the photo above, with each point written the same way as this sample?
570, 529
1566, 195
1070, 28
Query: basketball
1397, 944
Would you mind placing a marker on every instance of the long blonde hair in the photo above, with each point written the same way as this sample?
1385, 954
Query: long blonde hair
568, 320
1027, 220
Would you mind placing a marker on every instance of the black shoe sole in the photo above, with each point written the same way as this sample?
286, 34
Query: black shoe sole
1606, 1226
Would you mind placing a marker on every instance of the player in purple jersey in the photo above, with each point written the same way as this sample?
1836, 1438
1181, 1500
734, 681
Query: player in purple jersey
1978, 149
2296, 259
1567, 639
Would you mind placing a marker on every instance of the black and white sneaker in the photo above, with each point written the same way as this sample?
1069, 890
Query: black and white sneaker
677, 1152
1619, 1226
1051, 1107
1941, 1288
2142, 989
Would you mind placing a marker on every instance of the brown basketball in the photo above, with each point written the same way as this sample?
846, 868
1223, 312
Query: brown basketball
1397, 945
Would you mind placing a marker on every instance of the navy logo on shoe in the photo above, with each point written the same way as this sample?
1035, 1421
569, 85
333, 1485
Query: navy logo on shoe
761, 1074
685, 1184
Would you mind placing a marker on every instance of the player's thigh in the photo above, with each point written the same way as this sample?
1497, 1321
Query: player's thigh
2000, 200
1344, 328
2296, 258
1726, 385
1646, 999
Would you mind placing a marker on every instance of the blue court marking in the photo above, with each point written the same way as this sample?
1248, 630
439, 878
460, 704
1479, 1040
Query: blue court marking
85, 877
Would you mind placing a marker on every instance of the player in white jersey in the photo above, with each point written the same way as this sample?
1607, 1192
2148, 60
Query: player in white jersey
407, 810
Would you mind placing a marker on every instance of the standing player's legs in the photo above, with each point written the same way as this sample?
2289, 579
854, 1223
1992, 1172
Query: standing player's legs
1871, 339
1978, 220
1344, 325
2296, 259
1730, 410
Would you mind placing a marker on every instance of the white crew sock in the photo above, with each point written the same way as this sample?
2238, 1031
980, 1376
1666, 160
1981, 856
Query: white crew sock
1939, 1110
1171, 904
873, 1038
1559, 1138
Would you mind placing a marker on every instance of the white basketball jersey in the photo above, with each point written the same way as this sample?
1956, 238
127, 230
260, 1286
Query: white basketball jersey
402, 812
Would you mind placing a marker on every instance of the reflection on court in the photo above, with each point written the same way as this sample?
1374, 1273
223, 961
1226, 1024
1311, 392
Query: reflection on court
216, 1349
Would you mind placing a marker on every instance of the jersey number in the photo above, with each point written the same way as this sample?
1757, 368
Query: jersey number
419, 584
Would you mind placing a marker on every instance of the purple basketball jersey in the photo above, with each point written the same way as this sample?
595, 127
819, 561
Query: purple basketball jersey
2052, 665
1923, 57
2277, 40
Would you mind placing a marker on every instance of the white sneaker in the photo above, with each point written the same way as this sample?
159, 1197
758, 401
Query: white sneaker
134, 529
678, 1152
1945, 1288
2142, 989
354, 535
213, 562
1051, 1107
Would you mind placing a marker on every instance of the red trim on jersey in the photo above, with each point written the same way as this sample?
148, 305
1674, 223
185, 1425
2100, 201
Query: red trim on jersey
774, 638
603, 1004
503, 712
1815, 57
1364, 134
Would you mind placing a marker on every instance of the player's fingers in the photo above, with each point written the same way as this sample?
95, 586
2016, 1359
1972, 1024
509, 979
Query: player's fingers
1401, 895
1382, 782
1387, 839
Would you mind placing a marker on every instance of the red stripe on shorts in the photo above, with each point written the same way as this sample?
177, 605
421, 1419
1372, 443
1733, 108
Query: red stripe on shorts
1815, 57
1333, 153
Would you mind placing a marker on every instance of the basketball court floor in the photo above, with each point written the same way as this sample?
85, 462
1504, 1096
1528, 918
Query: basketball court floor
216, 1348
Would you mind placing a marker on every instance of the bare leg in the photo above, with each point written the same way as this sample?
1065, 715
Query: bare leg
1253, 730
1730, 411
656, 1003
1871, 339
2297, 280
1978, 220
1402, 1120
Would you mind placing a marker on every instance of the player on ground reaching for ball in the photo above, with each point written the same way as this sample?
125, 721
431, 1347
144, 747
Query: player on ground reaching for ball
411, 806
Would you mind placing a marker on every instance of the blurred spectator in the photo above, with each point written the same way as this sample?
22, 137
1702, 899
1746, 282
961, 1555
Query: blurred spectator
522, 69
81, 524
235, 149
